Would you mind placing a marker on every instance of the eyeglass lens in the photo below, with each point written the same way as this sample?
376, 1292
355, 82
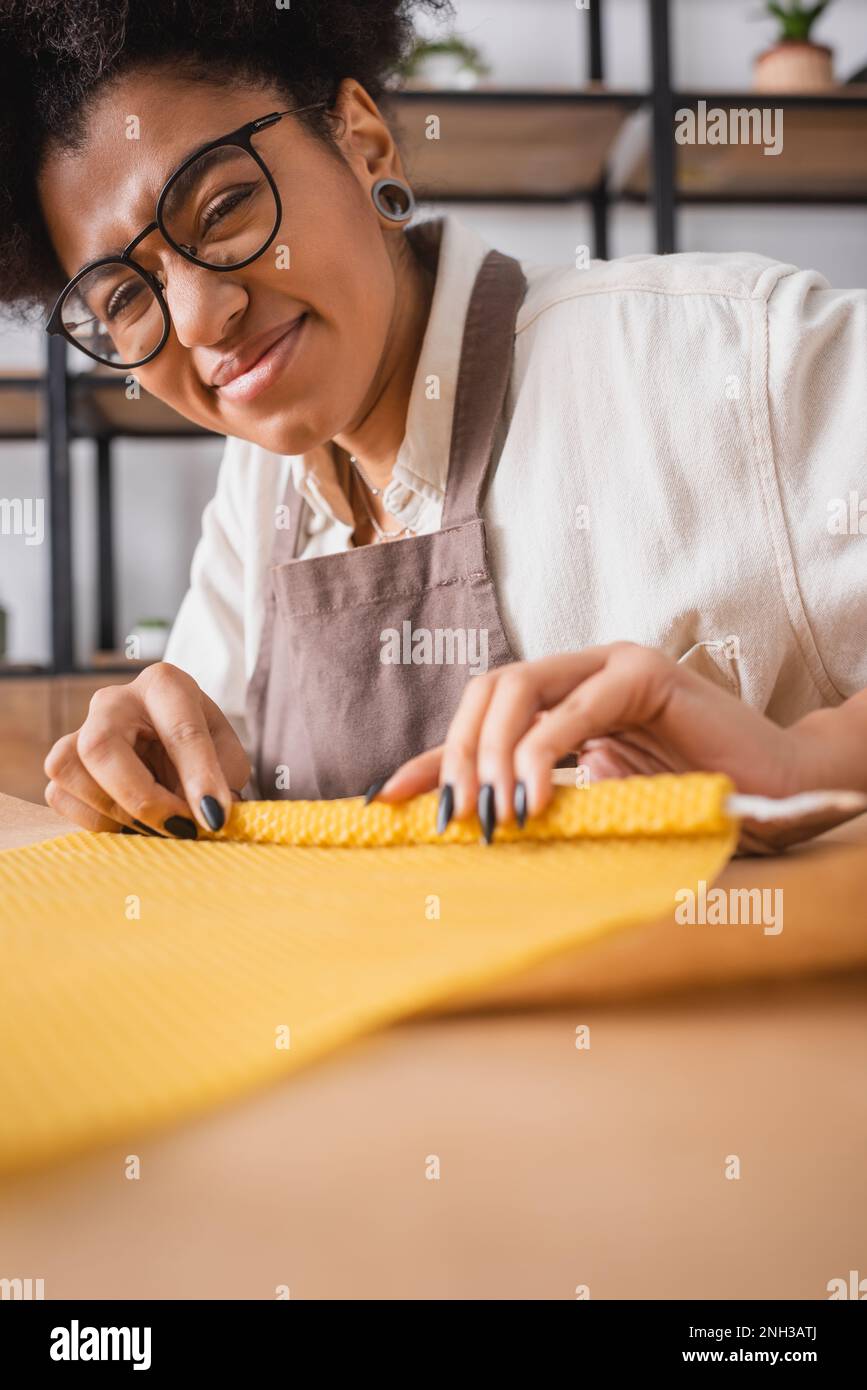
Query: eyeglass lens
221, 210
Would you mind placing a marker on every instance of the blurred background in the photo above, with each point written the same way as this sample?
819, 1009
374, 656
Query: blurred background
557, 124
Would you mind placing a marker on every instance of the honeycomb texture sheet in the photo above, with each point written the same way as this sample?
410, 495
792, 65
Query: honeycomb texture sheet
147, 980
664, 805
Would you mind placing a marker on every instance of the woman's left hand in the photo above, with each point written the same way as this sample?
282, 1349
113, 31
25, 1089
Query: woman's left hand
625, 708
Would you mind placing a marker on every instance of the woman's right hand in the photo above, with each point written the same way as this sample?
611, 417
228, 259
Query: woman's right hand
156, 754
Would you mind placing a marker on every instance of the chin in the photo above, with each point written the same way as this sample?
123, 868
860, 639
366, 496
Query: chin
280, 435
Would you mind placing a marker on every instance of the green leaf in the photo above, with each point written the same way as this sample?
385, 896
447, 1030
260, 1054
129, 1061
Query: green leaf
797, 22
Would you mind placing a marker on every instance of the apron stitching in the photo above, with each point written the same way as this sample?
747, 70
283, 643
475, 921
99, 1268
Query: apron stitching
384, 598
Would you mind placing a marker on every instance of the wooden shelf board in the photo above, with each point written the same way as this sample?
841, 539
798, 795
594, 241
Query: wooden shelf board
824, 156
21, 412
500, 146
835, 98
98, 406
587, 95
102, 407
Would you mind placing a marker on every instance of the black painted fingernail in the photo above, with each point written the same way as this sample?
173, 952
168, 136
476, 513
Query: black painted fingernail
181, 828
445, 806
213, 812
127, 830
374, 787
520, 804
487, 814
146, 829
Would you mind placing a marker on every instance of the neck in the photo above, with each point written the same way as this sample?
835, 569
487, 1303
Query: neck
376, 439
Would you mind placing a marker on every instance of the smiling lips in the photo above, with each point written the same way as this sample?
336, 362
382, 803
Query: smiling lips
242, 376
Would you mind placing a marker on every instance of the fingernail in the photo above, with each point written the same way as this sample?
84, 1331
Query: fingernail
127, 830
181, 828
146, 829
374, 787
520, 802
445, 806
213, 812
487, 814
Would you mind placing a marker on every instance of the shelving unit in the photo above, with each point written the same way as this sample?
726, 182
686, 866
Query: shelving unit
90, 405
522, 147
59, 407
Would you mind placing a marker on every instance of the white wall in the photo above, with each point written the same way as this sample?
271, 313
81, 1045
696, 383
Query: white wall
162, 487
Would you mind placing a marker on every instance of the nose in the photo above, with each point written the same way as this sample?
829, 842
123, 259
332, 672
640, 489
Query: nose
202, 305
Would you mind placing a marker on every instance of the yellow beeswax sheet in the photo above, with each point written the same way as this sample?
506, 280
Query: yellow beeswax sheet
692, 803
145, 980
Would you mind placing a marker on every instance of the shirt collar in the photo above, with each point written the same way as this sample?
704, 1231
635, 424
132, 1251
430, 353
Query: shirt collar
421, 468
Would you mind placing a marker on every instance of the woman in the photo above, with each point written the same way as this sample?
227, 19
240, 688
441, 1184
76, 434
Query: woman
474, 518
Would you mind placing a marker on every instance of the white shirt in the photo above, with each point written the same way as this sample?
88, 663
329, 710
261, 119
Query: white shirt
680, 457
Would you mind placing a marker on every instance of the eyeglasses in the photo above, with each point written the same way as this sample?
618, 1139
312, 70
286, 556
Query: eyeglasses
220, 209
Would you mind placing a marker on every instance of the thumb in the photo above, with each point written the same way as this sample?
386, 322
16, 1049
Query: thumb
420, 774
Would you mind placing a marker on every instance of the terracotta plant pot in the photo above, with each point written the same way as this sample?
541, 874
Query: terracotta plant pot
793, 65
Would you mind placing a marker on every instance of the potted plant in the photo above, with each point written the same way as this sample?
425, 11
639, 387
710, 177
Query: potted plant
147, 640
795, 63
447, 64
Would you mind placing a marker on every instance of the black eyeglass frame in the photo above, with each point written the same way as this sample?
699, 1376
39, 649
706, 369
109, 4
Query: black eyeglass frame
242, 138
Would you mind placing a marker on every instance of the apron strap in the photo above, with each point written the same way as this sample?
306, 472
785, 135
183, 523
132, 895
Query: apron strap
487, 354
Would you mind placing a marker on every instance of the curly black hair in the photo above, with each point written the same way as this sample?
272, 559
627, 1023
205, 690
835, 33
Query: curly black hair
55, 56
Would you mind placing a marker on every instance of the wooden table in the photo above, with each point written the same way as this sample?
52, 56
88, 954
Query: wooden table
559, 1167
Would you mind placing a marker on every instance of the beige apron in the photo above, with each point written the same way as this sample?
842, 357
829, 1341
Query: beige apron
328, 714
